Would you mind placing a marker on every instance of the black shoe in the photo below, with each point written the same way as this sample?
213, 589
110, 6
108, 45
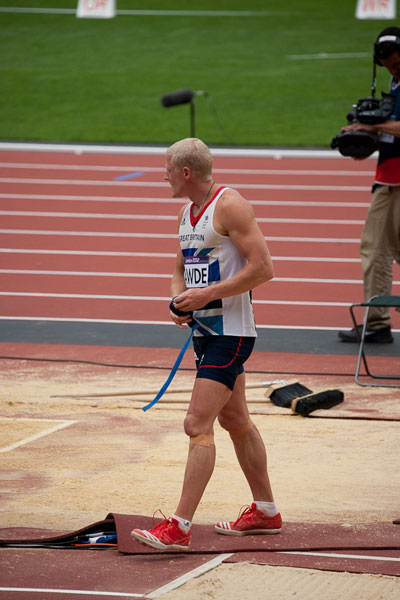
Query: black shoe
372, 336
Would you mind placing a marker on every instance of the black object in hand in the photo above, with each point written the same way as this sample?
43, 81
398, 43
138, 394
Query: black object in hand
181, 313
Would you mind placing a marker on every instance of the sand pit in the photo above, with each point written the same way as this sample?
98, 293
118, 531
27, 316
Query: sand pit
91, 456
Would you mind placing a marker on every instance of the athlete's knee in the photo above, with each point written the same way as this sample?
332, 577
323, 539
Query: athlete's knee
199, 433
236, 430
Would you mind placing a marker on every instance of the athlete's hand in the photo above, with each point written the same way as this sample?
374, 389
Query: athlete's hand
192, 299
181, 322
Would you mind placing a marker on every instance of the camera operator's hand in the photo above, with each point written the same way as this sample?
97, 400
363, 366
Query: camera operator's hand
390, 127
357, 126
357, 140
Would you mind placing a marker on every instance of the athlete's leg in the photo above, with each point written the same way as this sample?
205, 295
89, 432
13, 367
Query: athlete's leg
207, 400
247, 441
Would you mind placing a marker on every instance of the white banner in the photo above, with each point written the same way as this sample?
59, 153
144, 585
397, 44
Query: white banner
96, 9
376, 9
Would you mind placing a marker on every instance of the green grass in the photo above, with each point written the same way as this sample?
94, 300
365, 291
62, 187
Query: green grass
93, 80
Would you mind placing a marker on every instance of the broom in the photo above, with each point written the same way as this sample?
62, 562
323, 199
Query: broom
300, 399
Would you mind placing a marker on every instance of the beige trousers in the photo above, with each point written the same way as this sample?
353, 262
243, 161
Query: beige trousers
380, 247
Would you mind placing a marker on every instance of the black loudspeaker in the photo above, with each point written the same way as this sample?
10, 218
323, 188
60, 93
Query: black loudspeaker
179, 97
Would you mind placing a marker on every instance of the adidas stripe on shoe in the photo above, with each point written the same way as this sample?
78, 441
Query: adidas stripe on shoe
251, 521
166, 536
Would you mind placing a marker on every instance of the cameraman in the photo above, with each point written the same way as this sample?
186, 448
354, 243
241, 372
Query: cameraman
380, 240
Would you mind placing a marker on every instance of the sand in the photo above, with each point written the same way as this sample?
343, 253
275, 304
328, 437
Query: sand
67, 462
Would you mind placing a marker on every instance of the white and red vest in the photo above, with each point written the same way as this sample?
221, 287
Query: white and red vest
210, 257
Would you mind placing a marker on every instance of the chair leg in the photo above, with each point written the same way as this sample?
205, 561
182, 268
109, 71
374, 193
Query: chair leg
361, 341
362, 357
361, 353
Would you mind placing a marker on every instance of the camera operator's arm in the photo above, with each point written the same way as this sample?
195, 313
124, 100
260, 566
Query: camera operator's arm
390, 127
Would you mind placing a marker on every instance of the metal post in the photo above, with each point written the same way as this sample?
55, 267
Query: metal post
192, 119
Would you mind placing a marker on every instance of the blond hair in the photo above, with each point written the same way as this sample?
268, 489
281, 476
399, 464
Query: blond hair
192, 153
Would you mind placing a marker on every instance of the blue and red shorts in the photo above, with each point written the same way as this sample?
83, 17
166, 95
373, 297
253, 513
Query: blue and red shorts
221, 357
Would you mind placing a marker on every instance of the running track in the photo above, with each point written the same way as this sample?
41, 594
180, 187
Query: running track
91, 236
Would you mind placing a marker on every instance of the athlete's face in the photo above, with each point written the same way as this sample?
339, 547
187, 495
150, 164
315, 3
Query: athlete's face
175, 178
392, 63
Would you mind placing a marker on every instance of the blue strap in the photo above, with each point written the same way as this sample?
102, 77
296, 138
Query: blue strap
173, 371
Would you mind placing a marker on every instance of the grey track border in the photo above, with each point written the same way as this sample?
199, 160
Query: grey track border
293, 341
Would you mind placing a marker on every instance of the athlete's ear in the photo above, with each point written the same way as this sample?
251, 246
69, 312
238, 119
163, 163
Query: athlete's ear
186, 172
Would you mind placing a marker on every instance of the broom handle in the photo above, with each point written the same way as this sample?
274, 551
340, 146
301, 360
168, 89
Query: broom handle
183, 400
249, 386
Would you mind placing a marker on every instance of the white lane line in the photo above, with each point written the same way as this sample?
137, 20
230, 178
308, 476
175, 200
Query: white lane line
336, 555
67, 215
89, 233
322, 259
124, 217
94, 253
111, 199
152, 201
164, 276
72, 592
164, 255
82, 320
133, 169
312, 240
315, 280
173, 585
163, 299
29, 10
36, 436
171, 236
86, 273
152, 13
82, 296
10, 294
63, 167
325, 55
161, 184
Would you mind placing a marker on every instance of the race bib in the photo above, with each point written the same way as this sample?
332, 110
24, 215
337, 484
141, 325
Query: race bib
196, 271
388, 138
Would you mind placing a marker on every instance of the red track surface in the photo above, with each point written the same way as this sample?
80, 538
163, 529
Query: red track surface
79, 244
72, 247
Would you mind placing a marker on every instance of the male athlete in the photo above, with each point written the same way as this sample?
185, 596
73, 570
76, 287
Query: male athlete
222, 256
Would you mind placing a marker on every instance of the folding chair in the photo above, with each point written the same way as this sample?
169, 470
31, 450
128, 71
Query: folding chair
382, 301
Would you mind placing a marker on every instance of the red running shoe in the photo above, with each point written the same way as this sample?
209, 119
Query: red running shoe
251, 521
166, 536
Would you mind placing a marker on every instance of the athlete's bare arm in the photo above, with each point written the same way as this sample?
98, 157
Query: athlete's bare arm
178, 285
